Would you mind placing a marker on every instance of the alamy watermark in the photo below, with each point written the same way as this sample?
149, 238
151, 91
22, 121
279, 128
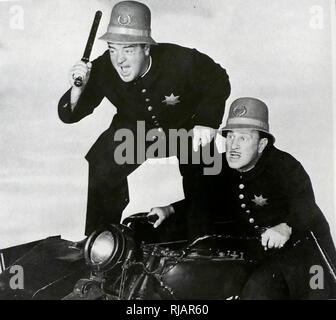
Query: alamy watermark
316, 21
136, 147
16, 281
15, 14
317, 280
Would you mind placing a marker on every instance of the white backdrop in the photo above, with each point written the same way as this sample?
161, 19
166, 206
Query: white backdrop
277, 50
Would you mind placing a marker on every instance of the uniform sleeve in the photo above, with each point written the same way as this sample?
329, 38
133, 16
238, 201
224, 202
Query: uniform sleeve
213, 85
303, 212
88, 101
194, 210
180, 207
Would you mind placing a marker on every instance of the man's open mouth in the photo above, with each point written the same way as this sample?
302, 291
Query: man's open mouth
234, 155
125, 70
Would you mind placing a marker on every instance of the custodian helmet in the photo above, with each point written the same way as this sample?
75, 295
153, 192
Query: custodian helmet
248, 113
130, 23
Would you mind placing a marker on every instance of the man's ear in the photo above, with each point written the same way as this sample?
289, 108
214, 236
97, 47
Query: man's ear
147, 49
262, 145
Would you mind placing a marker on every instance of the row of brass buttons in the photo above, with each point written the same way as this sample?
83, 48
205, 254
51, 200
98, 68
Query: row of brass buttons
243, 205
150, 109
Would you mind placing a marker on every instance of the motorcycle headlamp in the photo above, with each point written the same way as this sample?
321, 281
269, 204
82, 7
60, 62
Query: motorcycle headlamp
107, 247
102, 248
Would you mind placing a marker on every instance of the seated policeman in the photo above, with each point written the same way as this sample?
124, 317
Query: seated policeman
267, 192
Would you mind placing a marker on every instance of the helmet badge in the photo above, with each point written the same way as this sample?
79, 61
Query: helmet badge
239, 111
124, 20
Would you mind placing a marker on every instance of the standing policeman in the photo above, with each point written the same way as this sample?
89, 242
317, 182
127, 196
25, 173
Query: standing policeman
164, 85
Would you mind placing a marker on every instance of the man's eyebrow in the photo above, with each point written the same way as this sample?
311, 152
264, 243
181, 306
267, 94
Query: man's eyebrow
242, 133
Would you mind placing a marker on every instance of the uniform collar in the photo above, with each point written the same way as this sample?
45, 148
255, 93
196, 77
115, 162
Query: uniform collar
154, 70
149, 67
258, 168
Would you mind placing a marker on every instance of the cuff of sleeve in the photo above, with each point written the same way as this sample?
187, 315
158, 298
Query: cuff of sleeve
171, 210
209, 118
296, 226
178, 207
64, 108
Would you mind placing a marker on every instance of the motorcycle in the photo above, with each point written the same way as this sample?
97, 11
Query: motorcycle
114, 264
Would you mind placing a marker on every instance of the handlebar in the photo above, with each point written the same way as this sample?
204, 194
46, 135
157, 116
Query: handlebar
141, 218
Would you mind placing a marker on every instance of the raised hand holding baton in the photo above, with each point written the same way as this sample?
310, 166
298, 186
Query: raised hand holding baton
87, 52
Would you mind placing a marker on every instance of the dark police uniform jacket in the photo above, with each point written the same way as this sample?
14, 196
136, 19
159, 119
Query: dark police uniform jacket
183, 88
276, 190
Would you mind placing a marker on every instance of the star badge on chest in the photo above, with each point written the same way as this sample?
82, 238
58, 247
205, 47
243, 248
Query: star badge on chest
260, 201
171, 100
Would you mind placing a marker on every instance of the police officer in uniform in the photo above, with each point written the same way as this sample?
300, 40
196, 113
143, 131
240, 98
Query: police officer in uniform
165, 86
266, 192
